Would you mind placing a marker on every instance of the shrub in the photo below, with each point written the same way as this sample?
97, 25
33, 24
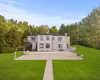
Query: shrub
28, 48
20, 48
7, 49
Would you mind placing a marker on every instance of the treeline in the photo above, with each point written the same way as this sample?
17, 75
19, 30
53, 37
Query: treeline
13, 33
86, 32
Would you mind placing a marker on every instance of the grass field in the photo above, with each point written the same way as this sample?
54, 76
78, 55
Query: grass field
86, 69
20, 70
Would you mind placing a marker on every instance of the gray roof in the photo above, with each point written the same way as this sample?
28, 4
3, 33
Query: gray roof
47, 34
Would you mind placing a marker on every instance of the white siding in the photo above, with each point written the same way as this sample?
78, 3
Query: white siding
44, 41
53, 43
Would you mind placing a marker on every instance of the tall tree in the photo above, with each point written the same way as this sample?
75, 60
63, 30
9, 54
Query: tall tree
53, 29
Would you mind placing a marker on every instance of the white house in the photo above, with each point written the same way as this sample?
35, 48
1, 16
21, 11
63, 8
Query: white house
49, 42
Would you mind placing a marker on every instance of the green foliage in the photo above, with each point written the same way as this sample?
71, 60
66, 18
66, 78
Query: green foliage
86, 32
53, 29
13, 33
13, 38
7, 49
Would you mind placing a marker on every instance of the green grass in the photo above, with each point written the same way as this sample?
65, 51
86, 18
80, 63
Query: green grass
19, 54
87, 69
20, 70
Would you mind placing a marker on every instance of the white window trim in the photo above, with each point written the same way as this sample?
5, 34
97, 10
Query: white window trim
41, 46
41, 38
46, 45
59, 38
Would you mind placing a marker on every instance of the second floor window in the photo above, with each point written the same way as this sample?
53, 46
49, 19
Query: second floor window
59, 38
33, 38
41, 37
53, 38
47, 37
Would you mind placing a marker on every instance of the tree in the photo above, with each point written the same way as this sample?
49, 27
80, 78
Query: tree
13, 38
53, 29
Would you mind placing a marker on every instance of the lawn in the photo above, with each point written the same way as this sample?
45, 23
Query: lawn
86, 69
20, 70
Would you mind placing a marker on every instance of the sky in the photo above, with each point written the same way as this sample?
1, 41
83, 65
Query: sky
47, 12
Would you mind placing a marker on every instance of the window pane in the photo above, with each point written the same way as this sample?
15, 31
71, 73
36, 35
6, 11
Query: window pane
59, 38
33, 38
41, 45
47, 45
41, 37
53, 38
47, 37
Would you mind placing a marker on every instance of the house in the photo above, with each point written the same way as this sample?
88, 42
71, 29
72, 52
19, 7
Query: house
49, 42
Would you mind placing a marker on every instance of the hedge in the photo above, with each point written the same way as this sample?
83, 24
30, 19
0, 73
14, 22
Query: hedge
7, 49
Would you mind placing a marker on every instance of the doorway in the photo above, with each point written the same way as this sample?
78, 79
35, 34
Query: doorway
60, 47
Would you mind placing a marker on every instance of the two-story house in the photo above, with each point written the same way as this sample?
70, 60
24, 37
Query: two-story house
49, 42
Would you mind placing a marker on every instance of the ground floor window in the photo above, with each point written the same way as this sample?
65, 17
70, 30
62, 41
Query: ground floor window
47, 45
41, 45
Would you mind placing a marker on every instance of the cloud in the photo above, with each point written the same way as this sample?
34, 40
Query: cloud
12, 2
11, 11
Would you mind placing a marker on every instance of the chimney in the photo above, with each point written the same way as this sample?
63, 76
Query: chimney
66, 34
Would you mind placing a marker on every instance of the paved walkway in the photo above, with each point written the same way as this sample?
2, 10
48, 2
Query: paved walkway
48, 74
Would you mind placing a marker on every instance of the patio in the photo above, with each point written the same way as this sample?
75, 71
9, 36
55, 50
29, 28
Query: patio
61, 55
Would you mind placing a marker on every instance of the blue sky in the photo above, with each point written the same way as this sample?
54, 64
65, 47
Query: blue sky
50, 12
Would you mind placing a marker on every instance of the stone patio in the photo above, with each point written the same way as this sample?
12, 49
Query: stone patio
63, 55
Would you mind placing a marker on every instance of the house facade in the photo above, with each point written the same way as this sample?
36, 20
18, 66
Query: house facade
49, 42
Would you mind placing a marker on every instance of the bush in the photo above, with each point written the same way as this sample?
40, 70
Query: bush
20, 48
29, 48
7, 49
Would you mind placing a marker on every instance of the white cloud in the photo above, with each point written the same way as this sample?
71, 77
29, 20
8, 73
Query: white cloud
10, 11
12, 2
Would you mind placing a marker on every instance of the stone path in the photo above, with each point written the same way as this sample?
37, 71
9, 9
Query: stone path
48, 74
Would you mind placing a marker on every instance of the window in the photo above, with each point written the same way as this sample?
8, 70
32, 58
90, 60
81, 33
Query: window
41, 45
53, 38
47, 45
47, 37
33, 38
41, 37
60, 45
59, 38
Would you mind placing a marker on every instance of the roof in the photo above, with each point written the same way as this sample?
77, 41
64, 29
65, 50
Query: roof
47, 34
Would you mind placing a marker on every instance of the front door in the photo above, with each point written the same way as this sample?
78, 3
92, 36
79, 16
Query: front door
60, 47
